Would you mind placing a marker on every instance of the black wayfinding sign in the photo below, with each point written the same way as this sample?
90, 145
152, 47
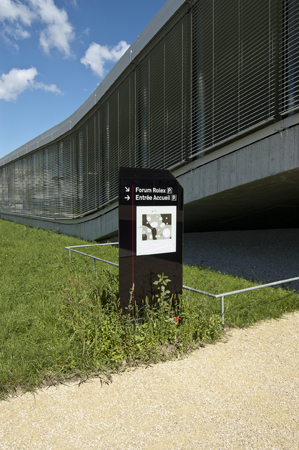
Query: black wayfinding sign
150, 233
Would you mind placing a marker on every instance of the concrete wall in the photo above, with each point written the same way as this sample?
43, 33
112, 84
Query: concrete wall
270, 156
101, 225
253, 186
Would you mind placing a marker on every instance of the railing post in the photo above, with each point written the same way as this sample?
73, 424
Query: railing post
94, 264
69, 254
222, 309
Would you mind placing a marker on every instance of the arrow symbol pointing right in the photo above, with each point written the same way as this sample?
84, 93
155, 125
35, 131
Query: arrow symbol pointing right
127, 197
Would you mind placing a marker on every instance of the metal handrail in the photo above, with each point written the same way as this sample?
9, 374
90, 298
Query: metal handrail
222, 296
239, 291
95, 258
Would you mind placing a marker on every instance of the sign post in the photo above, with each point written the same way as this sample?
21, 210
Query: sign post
150, 233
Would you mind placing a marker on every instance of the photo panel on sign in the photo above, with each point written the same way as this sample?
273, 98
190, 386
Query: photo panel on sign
155, 229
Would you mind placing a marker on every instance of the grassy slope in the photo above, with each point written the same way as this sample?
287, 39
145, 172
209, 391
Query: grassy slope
37, 278
244, 309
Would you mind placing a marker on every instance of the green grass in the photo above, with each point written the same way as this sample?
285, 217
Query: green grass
244, 309
60, 319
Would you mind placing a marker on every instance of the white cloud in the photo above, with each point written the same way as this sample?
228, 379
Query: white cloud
15, 82
18, 80
97, 55
16, 31
58, 33
16, 11
47, 87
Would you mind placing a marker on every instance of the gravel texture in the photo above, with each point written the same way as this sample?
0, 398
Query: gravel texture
260, 255
242, 393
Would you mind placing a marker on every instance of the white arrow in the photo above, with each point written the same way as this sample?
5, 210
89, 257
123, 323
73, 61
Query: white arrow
127, 189
127, 197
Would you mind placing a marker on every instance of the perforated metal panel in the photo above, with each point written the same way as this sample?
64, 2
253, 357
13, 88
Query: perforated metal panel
289, 67
126, 123
234, 78
48, 198
113, 125
87, 166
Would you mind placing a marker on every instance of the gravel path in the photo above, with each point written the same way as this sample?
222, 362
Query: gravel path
242, 393
260, 255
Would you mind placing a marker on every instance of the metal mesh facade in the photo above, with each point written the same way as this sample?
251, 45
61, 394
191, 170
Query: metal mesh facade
217, 69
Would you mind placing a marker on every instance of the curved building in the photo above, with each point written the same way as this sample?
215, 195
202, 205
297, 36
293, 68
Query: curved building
208, 90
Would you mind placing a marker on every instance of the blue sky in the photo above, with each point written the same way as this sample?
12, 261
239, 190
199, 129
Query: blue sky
54, 53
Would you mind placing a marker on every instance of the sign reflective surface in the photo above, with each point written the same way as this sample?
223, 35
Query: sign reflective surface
150, 233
